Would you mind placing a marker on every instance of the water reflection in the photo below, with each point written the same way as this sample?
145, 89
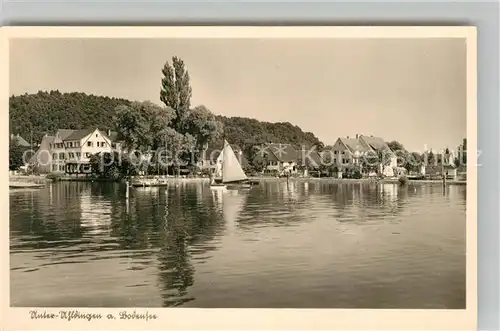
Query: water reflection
95, 214
191, 246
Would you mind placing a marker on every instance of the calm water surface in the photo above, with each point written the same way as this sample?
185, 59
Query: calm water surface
305, 245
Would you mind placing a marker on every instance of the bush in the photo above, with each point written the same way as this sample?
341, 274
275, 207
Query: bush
54, 176
403, 180
357, 175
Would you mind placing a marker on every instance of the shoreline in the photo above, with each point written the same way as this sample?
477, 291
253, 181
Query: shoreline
260, 179
332, 180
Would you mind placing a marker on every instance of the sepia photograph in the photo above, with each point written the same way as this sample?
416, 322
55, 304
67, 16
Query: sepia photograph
239, 172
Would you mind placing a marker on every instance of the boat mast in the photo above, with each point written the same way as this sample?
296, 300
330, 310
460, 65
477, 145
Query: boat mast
222, 165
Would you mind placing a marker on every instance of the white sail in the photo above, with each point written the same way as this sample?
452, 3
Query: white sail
231, 168
218, 165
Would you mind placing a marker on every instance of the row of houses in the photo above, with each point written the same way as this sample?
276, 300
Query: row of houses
69, 151
285, 159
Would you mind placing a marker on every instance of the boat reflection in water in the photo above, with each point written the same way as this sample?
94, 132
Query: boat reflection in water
231, 203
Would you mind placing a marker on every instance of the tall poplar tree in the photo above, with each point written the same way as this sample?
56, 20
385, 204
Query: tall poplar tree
176, 91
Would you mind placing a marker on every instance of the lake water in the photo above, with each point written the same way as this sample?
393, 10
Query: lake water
301, 245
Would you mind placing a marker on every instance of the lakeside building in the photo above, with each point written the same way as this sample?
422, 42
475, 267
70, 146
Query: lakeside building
441, 164
278, 158
69, 151
19, 140
350, 151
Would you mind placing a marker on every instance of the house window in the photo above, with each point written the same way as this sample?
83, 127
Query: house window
89, 143
61, 167
54, 156
78, 154
335, 152
54, 167
61, 156
87, 155
113, 145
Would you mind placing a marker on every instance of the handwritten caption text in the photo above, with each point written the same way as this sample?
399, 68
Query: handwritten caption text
71, 315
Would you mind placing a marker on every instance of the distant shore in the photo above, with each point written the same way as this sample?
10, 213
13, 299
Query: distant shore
42, 179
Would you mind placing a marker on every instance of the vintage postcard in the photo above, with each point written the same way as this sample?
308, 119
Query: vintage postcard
249, 177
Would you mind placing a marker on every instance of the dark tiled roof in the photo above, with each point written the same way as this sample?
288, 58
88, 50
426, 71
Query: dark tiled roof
47, 140
20, 140
44, 145
315, 158
64, 133
68, 134
354, 145
375, 143
78, 134
283, 152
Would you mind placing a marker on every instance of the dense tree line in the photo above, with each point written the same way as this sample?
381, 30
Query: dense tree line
45, 112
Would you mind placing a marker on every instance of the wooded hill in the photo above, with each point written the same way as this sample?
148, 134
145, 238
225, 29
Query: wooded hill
45, 112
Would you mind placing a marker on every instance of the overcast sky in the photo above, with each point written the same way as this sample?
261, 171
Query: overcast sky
411, 90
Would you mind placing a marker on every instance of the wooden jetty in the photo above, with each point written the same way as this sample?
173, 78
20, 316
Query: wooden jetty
16, 185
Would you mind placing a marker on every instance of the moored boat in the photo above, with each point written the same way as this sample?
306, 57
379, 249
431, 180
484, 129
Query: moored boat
24, 185
232, 174
148, 181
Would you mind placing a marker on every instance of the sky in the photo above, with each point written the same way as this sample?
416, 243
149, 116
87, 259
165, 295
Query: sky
409, 90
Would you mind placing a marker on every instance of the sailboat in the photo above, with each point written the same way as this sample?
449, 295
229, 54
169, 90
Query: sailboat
233, 175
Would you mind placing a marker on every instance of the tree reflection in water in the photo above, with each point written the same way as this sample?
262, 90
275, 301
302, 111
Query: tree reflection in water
160, 237
190, 224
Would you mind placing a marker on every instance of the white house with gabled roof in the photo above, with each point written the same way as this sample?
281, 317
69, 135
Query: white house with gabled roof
348, 151
70, 150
